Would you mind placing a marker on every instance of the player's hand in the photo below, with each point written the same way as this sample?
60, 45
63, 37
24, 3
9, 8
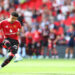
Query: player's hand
17, 33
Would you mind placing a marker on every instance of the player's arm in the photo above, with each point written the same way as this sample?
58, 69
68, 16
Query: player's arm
57, 38
19, 29
0, 25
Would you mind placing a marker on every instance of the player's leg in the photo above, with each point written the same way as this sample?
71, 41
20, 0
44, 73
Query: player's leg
48, 53
34, 50
66, 52
52, 53
52, 50
13, 51
4, 52
7, 60
23, 50
71, 52
42, 49
70, 45
41, 53
29, 50
55, 53
45, 49
48, 50
19, 51
38, 49
1, 52
18, 56
72, 49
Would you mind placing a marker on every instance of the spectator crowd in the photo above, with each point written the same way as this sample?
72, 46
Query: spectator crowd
45, 24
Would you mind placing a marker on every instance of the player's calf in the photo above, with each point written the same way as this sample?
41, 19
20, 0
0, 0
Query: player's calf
7, 60
13, 51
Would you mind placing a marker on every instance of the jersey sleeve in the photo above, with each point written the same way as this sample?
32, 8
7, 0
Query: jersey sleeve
1, 25
19, 25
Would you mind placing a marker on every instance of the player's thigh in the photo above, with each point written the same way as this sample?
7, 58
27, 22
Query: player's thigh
14, 49
7, 42
1, 44
14, 45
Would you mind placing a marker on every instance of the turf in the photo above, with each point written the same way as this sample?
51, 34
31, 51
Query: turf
39, 67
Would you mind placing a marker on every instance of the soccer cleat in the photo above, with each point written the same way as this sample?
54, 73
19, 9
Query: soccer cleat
18, 59
71, 56
66, 56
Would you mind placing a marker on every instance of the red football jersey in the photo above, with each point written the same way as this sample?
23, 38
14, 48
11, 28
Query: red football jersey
28, 37
36, 36
53, 35
10, 29
1, 36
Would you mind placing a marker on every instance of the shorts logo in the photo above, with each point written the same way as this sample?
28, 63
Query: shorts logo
15, 46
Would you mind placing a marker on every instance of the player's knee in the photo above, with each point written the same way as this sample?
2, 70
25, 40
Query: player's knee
10, 58
14, 51
7, 44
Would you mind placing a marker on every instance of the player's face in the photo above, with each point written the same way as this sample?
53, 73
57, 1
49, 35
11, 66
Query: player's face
13, 18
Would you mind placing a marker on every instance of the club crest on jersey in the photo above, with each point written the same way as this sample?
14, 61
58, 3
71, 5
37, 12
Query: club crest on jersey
14, 26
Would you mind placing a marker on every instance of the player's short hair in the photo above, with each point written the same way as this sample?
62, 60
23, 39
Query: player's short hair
15, 14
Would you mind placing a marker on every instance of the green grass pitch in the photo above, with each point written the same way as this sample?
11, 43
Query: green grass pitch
39, 67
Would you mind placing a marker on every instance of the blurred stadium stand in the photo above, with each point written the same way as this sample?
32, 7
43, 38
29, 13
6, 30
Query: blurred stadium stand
58, 14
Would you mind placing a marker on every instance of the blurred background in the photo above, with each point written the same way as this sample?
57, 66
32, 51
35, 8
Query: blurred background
46, 25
